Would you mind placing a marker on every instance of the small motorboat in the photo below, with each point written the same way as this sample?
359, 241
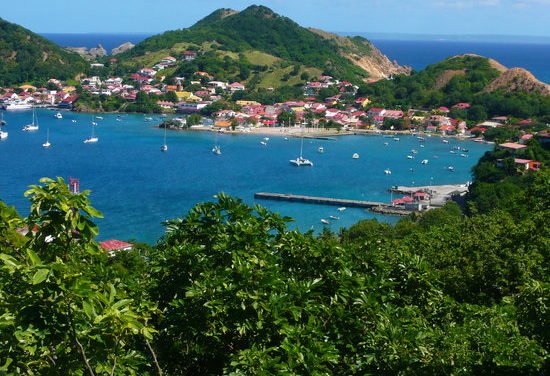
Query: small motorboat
387, 172
285, 138
118, 119
410, 157
450, 168
3, 135
74, 121
164, 148
341, 209
355, 156
424, 161
325, 222
263, 143
465, 150
421, 146
266, 138
148, 119
334, 217
58, 116
445, 141
453, 152
386, 143
414, 151
396, 138
411, 169
320, 149
464, 155
216, 150
99, 117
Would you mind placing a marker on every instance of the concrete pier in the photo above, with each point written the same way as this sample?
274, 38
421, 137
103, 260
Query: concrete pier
318, 200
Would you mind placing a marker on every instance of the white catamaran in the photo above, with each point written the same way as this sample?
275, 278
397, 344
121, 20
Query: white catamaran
301, 161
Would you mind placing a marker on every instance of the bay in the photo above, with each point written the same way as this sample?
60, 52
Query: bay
136, 186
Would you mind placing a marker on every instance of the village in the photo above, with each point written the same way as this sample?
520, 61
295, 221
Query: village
203, 94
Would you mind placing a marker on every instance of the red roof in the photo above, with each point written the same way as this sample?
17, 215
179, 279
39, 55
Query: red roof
421, 194
513, 145
113, 245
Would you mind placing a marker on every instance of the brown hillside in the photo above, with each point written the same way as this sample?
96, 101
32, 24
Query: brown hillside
366, 56
518, 79
446, 76
495, 64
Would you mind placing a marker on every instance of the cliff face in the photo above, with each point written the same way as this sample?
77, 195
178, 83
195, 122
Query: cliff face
122, 48
362, 53
518, 79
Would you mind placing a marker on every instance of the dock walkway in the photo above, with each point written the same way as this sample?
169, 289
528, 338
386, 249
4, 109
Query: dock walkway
318, 200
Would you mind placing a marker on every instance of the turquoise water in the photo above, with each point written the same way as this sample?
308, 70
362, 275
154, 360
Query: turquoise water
136, 186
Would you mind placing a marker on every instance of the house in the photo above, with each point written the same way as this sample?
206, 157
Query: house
113, 246
189, 108
235, 86
526, 137
68, 102
188, 55
148, 72
393, 114
489, 124
363, 102
166, 104
375, 111
222, 124
443, 110
523, 164
244, 103
168, 60
500, 119
462, 106
512, 146
472, 131
439, 120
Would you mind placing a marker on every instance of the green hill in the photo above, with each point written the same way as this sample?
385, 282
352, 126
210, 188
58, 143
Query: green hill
489, 86
228, 39
28, 57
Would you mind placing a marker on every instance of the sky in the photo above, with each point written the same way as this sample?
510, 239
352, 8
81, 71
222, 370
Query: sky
441, 17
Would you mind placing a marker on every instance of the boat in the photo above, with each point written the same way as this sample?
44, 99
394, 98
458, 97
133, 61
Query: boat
386, 143
47, 144
450, 168
164, 146
285, 138
266, 138
424, 161
148, 119
334, 217
355, 156
411, 169
464, 155
320, 149
216, 150
34, 125
341, 208
118, 119
58, 116
263, 143
465, 150
396, 138
435, 156
93, 138
421, 146
74, 121
2, 121
387, 171
414, 151
453, 152
325, 222
301, 161
3, 135
421, 138
17, 106
445, 141
410, 157
99, 117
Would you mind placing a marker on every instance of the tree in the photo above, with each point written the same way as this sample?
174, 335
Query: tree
193, 119
286, 118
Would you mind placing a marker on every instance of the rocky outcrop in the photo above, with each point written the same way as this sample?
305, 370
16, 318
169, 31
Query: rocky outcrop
98, 51
122, 48
365, 55
518, 79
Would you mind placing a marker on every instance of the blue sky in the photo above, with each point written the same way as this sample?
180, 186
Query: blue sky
453, 17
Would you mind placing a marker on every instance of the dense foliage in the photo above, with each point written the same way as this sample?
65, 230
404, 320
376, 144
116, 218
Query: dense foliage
28, 57
469, 75
231, 290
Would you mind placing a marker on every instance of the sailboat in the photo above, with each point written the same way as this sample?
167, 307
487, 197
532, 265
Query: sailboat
216, 149
34, 125
2, 121
164, 147
47, 143
3, 135
301, 161
93, 138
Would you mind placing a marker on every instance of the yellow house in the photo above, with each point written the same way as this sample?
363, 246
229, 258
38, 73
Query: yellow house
27, 87
194, 98
183, 94
69, 89
364, 103
247, 103
297, 108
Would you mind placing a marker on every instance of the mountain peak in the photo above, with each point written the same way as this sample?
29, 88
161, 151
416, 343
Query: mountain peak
259, 11
215, 16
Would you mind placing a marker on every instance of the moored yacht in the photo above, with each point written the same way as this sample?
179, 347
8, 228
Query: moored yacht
58, 116
34, 125
355, 156
301, 161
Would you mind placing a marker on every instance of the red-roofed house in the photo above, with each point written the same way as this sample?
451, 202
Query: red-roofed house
235, 86
112, 246
188, 55
513, 146
375, 111
463, 106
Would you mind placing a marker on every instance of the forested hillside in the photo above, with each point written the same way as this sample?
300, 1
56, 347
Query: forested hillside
468, 78
231, 290
28, 57
256, 42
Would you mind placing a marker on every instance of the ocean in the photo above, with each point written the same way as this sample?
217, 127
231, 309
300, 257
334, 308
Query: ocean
137, 186
415, 53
